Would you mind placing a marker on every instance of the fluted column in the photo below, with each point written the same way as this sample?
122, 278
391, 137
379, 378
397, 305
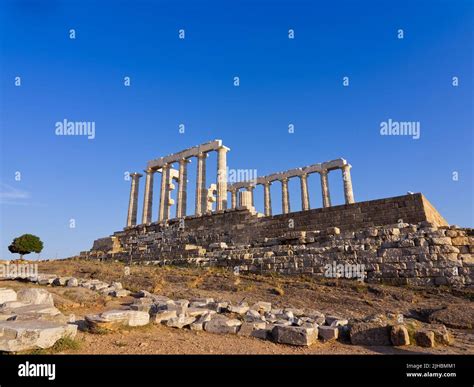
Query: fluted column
304, 192
221, 178
163, 192
182, 193
346, 177
325, 188
267, 198
233, 193
201, 184
133, 201
148, 198
285, 196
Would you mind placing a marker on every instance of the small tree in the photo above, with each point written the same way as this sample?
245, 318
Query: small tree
26, 244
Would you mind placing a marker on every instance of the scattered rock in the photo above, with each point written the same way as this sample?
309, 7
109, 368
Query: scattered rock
26, 335
262, 307
399, 335
120, 293
46, 279
117, 285
72, 282
370, 333
35, 296
327, 333
253, 315
143, 293
163, 316
60, 281
242, 308
247, 328
222, 325
425, 338
295, 335
442, 335
114, 319
198, 325
196, 312
180, 321
7, 295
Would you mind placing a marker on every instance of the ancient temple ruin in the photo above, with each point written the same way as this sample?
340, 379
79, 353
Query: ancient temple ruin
242, 193
398, 240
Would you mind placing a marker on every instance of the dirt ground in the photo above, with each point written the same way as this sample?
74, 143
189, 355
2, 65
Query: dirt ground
345, 298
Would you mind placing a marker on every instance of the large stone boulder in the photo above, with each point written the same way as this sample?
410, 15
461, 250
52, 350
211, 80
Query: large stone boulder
163, 316
46, 279
72, 282
26, 335
425, 338
114, 319
370, 333
327, 333
222, 324
180, 321
36, 311
247, 328
399, 335
35, 296
295, 335
7, 295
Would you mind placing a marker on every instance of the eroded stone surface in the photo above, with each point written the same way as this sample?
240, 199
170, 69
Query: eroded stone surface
25, 335
295, 335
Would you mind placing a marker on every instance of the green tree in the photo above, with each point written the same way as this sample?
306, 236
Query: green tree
25, 244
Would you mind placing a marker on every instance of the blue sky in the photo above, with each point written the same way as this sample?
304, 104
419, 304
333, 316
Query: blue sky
190, 81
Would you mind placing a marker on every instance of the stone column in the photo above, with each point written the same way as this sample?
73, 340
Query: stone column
325, 188
172, 176
346, 177
267, 199
133, 202
251, 188
245, 200
201, 184
304, 192
221, 178
285, 196
148, 199
163, 191
233, 193
182, 193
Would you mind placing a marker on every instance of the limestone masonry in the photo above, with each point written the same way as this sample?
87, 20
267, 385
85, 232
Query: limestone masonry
399, 240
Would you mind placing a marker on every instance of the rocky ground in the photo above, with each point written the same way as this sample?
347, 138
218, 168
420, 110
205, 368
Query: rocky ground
349, 299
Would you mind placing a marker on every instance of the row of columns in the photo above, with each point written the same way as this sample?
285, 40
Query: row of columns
305, 204
168, 176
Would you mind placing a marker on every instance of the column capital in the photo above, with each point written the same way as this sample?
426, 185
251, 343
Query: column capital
135, 175
202, 155
346, 166
149, 170
324, 172
284, 179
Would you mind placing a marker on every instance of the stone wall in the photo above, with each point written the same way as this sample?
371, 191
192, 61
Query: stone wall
401, 240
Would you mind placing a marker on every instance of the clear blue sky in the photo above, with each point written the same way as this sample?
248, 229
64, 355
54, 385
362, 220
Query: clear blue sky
190, 81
